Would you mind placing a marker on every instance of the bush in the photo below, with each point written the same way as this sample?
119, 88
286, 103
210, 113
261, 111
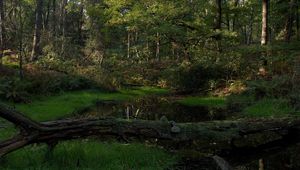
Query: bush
278, 86
14, 90
194, 77
39, 82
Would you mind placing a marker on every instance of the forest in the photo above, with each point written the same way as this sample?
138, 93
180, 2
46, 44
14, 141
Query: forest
149, 84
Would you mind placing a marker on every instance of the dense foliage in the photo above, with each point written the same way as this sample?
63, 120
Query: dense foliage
59, 57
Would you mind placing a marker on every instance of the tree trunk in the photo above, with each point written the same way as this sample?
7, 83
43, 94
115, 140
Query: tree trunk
128, 44
36, 48
21, 74
218, 19
218, 24
236, 2
297, 20
63, 16
2, 30
80, 24
47, 16
157, 54
264, 31
54, 18
289, 21
203, 136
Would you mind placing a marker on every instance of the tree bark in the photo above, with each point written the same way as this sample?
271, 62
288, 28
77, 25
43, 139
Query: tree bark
36, 49
218, 19
297, 20
128, 44
21, 74
54, 18
265, 13
157, 54
236, 2
289, 21
216, 135
2, 30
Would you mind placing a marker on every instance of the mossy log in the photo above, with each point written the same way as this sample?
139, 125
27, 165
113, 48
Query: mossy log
199, 136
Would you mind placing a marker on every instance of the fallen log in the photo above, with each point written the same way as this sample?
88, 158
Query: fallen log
200, 136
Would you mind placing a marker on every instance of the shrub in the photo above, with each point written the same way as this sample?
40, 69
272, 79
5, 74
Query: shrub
278, 86
14, 90
194, 77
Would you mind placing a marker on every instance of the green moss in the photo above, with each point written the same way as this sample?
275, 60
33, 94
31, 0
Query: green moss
269, 108
203, 101
89, 155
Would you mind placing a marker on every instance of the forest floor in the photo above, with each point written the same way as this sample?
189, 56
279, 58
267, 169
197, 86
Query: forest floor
94, 154
83, 154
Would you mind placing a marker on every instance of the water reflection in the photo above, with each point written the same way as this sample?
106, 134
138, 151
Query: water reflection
156, 109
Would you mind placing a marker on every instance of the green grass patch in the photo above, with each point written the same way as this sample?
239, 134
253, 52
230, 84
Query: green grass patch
269, 108
7, 132
142, 91
203, 101
55, 107
93, 155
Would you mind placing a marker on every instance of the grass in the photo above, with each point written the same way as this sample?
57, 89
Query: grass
203, 101
55, 107
269, 108
73, 155
82, 154
8, 131
142, 91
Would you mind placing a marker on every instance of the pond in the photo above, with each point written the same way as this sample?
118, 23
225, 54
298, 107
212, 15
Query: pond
157, 108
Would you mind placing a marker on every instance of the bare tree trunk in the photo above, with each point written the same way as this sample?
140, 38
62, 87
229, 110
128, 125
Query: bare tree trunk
218, 24
128, 44
236, 2
136, 41
2, 30
21, 74
265, 13
289, 21
80, 24
47, 16
157, 54
148, 52
297, 20
36, 48
261, 164
218, 19
63, 25
54, 18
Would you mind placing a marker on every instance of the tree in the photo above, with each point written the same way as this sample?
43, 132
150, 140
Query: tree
36, 49
264, 31
290, 17
218, 19
2, 30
